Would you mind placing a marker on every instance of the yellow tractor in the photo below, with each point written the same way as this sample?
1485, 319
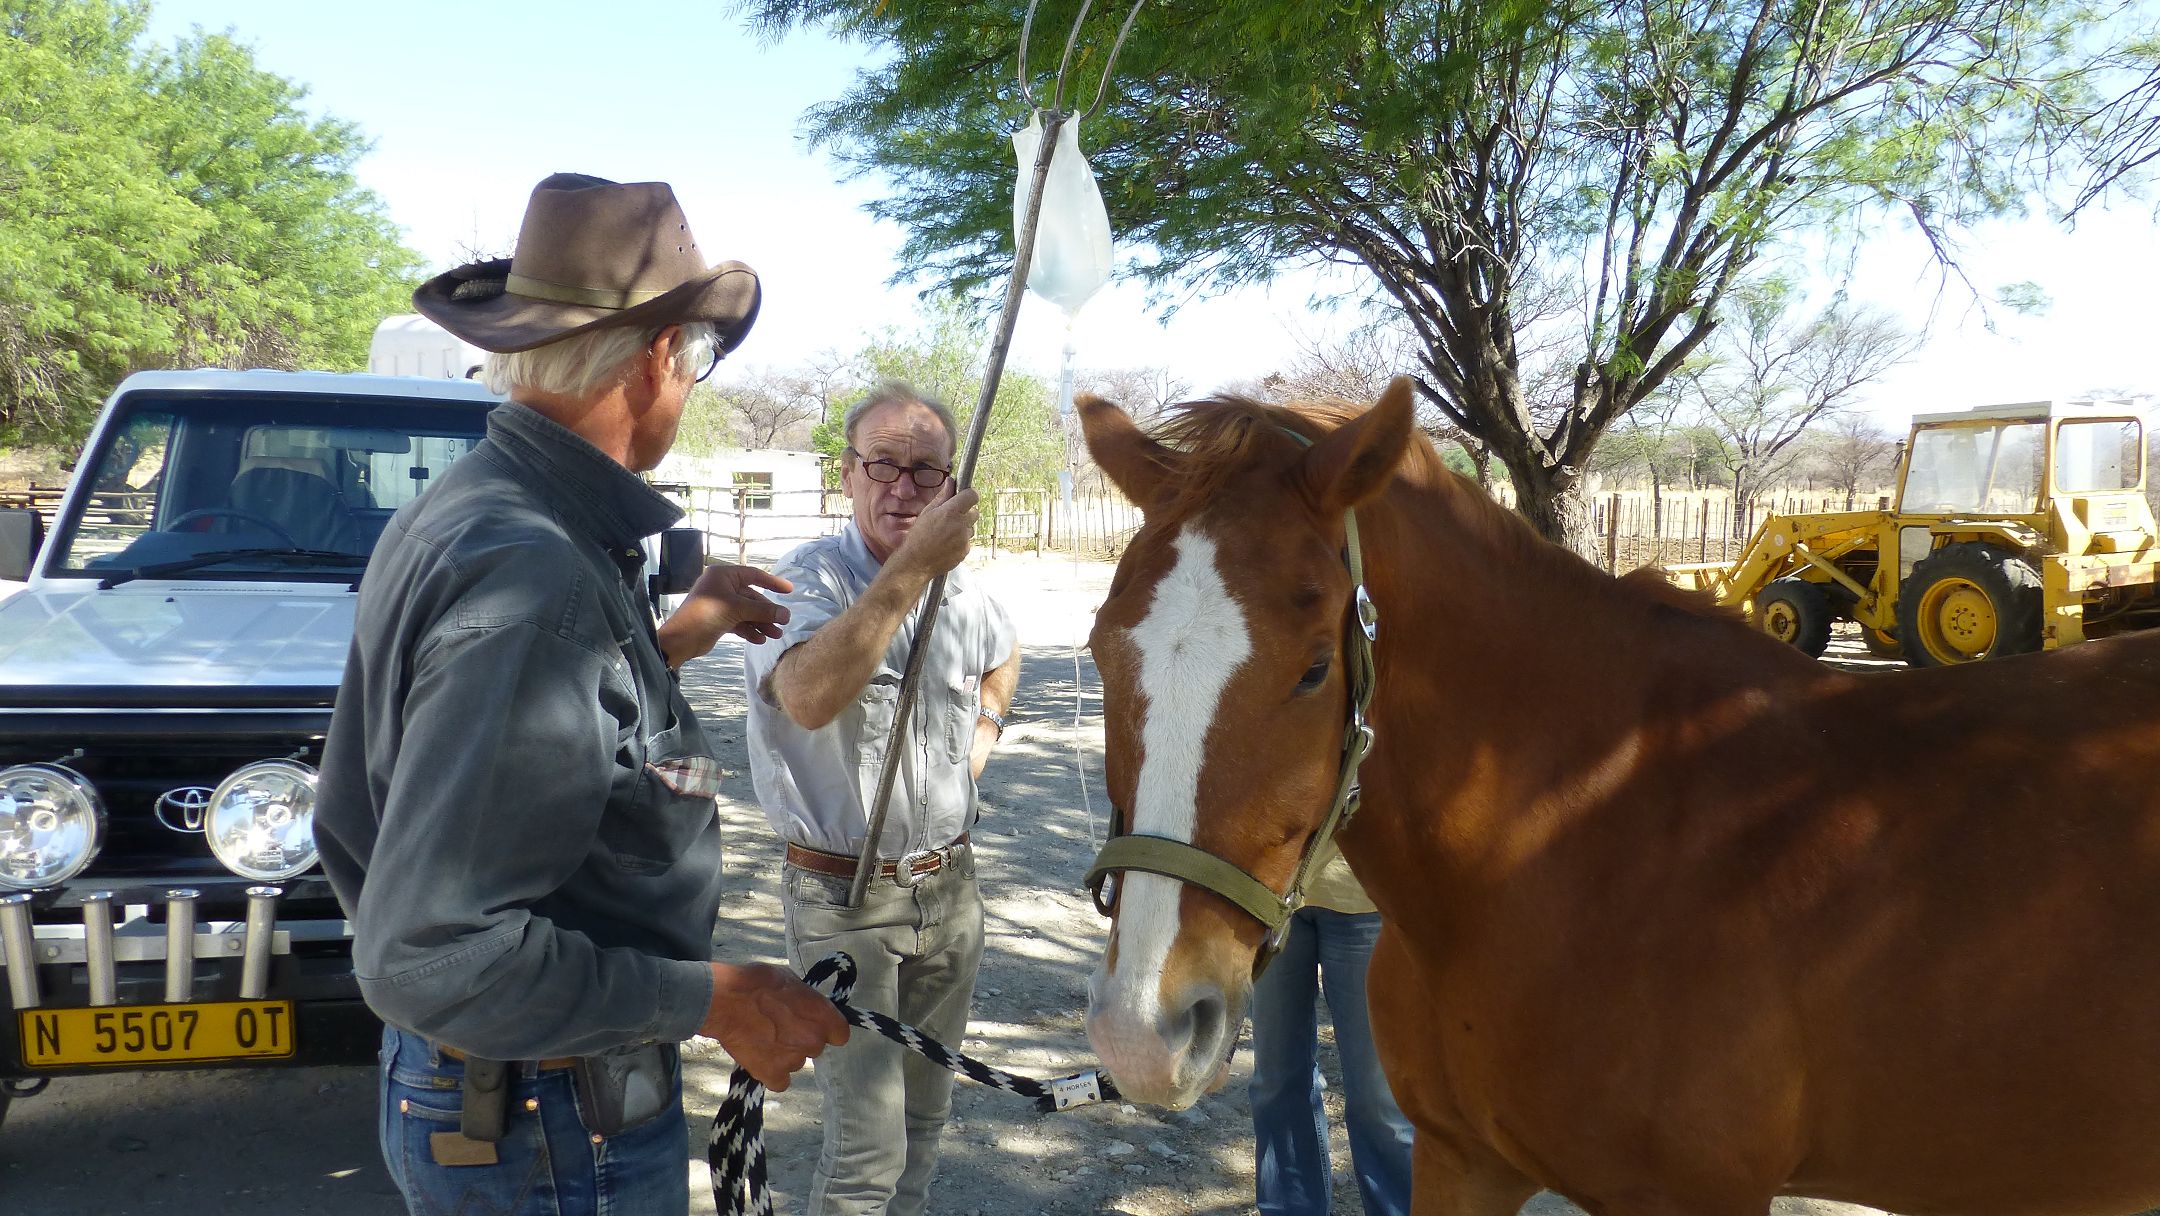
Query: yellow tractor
2016, 528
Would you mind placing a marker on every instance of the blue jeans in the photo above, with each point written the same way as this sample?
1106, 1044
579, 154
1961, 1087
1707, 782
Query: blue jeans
547, 1163
1292, 1175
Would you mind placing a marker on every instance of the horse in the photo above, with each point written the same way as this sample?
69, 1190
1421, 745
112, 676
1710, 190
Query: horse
1675, 918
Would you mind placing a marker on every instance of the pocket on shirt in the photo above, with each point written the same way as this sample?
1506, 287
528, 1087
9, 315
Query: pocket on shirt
671, 807
963, 702
880, 700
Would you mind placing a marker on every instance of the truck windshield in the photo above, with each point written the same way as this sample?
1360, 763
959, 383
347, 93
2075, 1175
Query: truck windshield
2098, 455
1993, 470
179, 476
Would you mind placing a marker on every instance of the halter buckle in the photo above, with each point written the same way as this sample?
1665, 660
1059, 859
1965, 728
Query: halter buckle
1368, 615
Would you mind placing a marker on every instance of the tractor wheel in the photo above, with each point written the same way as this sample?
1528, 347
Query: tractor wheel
1966, 602
1882, 643
1795, 612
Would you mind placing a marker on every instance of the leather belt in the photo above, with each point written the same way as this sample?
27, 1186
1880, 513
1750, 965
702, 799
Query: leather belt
907, 871
452, 1053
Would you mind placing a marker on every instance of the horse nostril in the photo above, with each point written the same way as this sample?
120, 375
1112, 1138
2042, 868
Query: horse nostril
1208, 1015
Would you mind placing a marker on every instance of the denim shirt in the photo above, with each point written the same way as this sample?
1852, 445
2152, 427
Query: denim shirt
516, 802
816, 786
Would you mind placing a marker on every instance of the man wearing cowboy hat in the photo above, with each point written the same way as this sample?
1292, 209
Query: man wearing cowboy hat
516, 801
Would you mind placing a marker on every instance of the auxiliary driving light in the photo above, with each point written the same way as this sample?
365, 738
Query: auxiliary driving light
261, 821
51, 826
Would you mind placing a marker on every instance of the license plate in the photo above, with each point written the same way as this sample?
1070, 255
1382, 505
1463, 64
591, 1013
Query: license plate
128, 1035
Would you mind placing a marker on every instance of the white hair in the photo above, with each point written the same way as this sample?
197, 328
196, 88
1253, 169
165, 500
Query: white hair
578, 366
900, 392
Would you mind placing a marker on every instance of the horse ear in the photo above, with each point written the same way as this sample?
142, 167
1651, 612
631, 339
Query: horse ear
1350, 465
1134, 463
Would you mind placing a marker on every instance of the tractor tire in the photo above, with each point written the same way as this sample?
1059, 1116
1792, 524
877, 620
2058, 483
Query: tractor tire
1883, 644
1966, 602
1795, 612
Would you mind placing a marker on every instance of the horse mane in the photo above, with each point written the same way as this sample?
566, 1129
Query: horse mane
1214, 438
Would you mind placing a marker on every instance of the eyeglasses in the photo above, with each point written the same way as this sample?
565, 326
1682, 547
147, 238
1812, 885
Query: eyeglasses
885, 472
713, 355
712, 365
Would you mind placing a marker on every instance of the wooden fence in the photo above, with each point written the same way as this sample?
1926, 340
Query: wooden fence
1636, 528
107, 508
1633, 527
747, 522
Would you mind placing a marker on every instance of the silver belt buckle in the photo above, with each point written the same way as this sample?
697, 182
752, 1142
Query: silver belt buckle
904, 869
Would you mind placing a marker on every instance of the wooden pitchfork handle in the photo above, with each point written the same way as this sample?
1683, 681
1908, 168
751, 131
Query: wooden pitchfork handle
866, 863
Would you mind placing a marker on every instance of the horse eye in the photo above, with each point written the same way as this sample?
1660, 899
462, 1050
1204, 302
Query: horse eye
1314, 675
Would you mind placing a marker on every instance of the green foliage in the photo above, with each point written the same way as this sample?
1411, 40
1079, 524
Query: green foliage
707, 429
169, 207
1579, 182
829, 439
1453, 456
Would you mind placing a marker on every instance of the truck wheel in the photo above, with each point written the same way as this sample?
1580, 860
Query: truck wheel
1795, 612
1966, 602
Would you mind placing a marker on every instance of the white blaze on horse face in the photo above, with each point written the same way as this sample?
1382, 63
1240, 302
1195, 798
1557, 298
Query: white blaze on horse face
1192, 640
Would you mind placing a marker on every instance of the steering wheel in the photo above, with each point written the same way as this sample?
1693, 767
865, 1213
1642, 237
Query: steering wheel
264, 522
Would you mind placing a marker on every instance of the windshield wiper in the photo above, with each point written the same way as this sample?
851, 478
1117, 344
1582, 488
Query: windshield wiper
324, 557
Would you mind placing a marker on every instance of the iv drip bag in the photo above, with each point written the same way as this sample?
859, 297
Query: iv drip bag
1072, 232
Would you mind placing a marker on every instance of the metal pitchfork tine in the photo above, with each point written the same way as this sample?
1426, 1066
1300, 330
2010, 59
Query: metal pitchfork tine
1023, 257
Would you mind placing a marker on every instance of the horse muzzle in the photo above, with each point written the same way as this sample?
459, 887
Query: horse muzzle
1164, 1052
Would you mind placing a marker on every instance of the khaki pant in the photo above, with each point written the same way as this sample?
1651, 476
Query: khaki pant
916, 952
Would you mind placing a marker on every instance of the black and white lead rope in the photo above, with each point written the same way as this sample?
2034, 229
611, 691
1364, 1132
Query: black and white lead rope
736, 1151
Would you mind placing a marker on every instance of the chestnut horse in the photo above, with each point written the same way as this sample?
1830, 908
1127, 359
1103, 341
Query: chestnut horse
1676, 918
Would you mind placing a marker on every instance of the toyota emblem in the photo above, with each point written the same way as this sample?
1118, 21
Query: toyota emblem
187, 803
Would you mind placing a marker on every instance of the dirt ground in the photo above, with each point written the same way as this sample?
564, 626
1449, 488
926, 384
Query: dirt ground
1043, 813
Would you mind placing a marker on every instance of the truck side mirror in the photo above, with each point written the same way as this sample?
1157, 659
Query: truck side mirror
22, 530
682, 560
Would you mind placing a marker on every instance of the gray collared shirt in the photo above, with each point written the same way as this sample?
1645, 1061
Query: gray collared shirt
515, 805
816, 785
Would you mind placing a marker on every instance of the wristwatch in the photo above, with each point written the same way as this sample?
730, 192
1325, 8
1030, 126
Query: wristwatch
996, 719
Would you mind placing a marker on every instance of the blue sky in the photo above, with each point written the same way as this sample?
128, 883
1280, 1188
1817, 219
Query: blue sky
471, 102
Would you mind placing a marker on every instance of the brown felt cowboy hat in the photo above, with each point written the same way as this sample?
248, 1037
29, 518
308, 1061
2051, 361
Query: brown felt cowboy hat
590, 254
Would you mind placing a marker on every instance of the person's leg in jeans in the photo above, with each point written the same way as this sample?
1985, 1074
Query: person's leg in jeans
546, 1162
1290, 1158
861, 1087
1380, 1135
937, 989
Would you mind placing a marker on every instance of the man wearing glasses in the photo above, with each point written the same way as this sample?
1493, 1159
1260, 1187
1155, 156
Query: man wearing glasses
822, 703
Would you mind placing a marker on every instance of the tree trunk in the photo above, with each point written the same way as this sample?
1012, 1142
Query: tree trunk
1552, 502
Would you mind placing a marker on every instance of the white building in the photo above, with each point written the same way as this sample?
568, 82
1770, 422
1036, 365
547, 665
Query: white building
412, 345
754, 504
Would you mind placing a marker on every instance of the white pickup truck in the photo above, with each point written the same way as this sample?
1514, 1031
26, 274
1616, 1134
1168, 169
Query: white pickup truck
166, 680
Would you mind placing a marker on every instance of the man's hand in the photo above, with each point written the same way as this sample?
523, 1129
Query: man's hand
725, 599
940, 537
769, 1021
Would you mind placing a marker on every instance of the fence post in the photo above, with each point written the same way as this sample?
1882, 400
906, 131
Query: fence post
742, 527
1702, 547
1612, 536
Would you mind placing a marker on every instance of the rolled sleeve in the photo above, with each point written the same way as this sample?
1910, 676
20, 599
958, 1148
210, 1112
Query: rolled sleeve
1000, 635
815, 601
